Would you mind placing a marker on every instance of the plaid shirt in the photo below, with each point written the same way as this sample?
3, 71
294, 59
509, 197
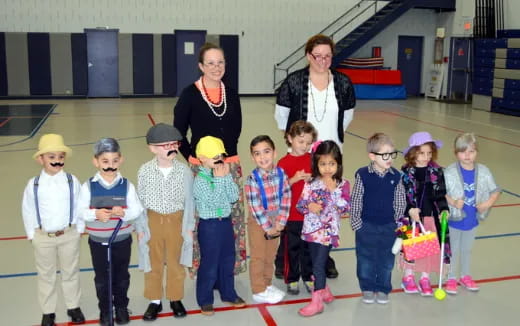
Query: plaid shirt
214, 196
358, 191
277, 209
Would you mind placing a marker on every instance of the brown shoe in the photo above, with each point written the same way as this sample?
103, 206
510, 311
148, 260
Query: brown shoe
207, 310
237, 303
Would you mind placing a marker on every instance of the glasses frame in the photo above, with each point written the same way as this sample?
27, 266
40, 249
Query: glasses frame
386, 156
319, 57
212, 65
169, 145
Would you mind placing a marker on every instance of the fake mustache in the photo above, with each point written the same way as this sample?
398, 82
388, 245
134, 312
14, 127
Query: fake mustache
173, 151
110, 169
219, 162
55, 164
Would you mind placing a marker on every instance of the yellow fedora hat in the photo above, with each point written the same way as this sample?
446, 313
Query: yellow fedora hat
210, 147
51, 143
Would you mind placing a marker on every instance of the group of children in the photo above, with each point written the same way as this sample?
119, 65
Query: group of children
304, 195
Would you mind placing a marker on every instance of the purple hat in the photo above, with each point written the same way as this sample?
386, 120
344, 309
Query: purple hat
421, 138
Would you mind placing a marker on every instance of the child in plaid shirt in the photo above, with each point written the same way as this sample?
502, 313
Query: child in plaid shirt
269, 197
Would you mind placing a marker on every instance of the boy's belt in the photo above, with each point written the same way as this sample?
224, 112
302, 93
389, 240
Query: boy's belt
55, 234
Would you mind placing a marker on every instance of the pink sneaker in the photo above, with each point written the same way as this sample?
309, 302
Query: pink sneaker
425, 287
451, 286
408, 284
468, 283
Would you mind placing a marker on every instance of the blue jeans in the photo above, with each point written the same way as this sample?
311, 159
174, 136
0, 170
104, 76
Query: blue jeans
217, 260
375, 260
319, 256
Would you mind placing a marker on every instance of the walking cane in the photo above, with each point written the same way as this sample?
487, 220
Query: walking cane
109, 257
440, 294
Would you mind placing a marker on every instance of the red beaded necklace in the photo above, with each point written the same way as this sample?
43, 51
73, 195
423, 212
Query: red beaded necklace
215, 103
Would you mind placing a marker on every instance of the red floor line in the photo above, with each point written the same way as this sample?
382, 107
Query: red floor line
4, 122
266, 315
506, 205
448, 128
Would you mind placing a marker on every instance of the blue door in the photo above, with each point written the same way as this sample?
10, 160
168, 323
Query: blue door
459, 73
187, 45
103, 62
409, 62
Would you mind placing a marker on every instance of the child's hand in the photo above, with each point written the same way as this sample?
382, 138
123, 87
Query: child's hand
315, 208
301, 175
458, 203
103, 214
190, 234
140, 235
279, 227
482, 207
221, 170
273, 232
118, 211
414, 214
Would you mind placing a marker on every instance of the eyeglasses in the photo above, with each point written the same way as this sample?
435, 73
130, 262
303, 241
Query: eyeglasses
319, 57
169, 145
386, 156
213, 65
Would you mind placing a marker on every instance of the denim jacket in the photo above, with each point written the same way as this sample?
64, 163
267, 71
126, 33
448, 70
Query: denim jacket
484, 186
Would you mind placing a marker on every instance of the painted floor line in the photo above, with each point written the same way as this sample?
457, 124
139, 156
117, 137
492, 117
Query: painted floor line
90, 269
268, 318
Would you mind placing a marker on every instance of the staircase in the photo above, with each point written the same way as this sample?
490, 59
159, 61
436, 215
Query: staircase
354, 29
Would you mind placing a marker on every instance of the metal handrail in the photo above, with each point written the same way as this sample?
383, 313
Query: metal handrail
277, 67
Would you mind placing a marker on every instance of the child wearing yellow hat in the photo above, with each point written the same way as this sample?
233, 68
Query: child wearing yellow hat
49, 216
215, 192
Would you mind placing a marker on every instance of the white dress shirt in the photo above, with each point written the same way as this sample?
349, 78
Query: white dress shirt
86, 214
53, 202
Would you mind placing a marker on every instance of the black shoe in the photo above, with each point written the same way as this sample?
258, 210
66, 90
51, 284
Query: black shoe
48, 319
152, 311
122, 316
330, 269
104, 319
278, 274
76, 316
178, 309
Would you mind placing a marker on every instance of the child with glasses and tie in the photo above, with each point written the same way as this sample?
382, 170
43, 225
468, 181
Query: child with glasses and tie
378, 200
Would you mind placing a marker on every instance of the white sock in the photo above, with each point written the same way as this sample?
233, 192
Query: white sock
408, 272
424, 274
156, 301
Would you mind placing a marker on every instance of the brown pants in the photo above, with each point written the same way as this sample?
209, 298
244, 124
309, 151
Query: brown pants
263, 252
165, 246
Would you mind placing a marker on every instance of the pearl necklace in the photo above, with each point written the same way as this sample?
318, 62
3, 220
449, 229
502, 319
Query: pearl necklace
222, 99
324, 105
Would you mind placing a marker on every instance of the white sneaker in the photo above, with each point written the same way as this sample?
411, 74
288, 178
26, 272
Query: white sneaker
267, 297
274, 289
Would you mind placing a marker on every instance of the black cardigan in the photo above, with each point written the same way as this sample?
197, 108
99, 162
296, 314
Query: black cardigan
294, 94
192, 112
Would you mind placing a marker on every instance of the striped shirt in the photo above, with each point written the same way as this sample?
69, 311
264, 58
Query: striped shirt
277, 209
399, 203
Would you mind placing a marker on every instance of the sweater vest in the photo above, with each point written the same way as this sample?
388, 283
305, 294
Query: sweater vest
101, 197
378, 196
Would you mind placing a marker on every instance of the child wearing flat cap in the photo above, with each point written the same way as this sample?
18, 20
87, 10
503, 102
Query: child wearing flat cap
215, 192
105, 199
50, 221
165, 188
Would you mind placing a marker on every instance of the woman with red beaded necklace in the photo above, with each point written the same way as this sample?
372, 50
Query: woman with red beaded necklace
210, 108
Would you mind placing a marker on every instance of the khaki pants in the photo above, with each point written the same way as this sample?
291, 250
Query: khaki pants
263, 253
165, 246
49, 253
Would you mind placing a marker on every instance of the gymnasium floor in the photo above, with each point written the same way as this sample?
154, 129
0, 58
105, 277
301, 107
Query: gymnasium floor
496, 263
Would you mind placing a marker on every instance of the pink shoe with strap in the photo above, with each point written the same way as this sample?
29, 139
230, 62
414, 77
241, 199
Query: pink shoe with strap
408, 285
425, 287
451, 286
468, 283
